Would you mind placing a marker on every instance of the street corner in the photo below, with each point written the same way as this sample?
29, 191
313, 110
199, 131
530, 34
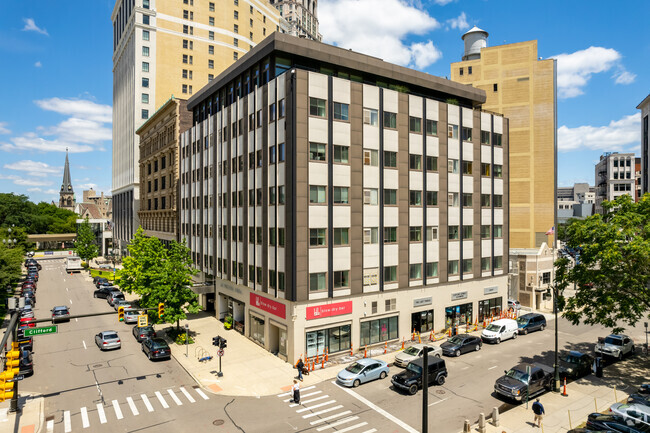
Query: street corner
214, 388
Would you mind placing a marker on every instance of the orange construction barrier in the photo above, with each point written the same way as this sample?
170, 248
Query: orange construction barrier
327, 354
365, 352
385, 347
413, 335
402, 343
351, 349
322, 363
419, 339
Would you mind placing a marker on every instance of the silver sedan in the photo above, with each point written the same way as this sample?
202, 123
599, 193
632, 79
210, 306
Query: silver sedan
108, 340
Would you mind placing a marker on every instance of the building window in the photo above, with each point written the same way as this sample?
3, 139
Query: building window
485, 200
145, 114
211, 20
485, 169
341, 279
145, 35
145, 67
235, 55
485, 231
432, 163
497, 231
497, 139
467, 232
469, 70
497, 262
452, 131
432, 198
467, 134
317, 194
210, 64
452, 166
145, 98
390, 274
467, 167
184, 73
317, 151
370, 196
341, 154
432, 127
415, 124
272, 112
497, 200
210, 49
281, 109
467, 199
370, 117
145, 51
251, 24
371, 157
452, 199
184, 87
495, 88
460, 72
415, 198
390, 159
390, 235
145, 82
211, 6
333, 340
341, 236
452, 267
485, 263
376, 331
453, 233
340, 111
485, 137
415, 162
185, 58
498, 171
390, 120
371, 235
390, 197
341, 195
415, 271
236, 28
415, 234
211, 35
317, 107
431, 270
145, 4
317, 281
467, 266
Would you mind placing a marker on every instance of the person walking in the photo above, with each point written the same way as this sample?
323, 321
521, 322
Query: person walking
538, 410
295, 389
300, 365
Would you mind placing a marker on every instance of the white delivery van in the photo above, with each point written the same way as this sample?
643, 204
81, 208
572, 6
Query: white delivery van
73, 264
500, 330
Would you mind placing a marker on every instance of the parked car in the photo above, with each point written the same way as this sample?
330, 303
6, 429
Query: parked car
599, 421
407, 355
27, 313
104, 291
144, 332
500, 330
105, 283
32, 269
131, 316
156, 348
28, 322
33, 276
531, 322
523, 378
114, 296
32, 279
575, 364
361, 371
60, 314
644, 389
410, 379
99, 280
121, 303
26, 365
108, 340
33, 262
514, 305
643, 399
615, 346
26, 343
462, 343
639, 414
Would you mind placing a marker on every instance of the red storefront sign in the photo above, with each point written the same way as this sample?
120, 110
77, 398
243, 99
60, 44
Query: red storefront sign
329, 310
268, 305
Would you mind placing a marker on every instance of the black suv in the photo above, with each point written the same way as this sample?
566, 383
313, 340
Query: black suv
411, 379
531, 322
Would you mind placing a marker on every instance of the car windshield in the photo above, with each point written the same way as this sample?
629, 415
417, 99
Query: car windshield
494, 328
412, 351
159, 344
413, 368
518, 375
613, 340
522, 321
110, 336
354, 368
455, 340
572, 359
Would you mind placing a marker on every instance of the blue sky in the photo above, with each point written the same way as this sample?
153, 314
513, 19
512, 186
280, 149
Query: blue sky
57, 74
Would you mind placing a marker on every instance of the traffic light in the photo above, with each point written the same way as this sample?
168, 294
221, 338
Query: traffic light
120, 314
6, 386
216, 340
12, 361
161, 310
223, 343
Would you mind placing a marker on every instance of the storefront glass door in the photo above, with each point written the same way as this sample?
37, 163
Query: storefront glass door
257, 329
458, 315
422, 321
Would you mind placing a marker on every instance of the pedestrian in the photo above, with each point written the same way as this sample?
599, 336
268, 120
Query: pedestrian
538, 410
295, 389
300, 365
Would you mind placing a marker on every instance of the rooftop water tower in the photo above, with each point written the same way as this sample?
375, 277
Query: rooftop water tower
475, 39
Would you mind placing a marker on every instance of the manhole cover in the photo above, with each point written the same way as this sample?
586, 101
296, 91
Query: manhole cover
440, 391
217, 422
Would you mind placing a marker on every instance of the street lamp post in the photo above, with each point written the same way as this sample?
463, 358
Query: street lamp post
556, 382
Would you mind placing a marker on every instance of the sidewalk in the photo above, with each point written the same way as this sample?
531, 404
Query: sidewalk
29, 420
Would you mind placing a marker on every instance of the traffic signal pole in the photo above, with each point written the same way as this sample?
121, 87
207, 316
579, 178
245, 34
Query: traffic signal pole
13, 406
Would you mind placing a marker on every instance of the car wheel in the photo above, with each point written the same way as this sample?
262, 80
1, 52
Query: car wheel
525, 331
382, 375
514, 336
356, 383
457, 352
497, 341
441, 380
413, 389
149, 356
620, 356
477, 347
541, 328
632, 352
94, 295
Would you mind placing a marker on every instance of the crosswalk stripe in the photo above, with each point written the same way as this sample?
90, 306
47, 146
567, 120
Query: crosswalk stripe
66, 422
162, 400
372, 430
315, 406
284, 394
84, 417
352, 427
145, 400
309, 401
134, 409
201, 393
337, 423
100, 412
320, 412
187, 394
173, 396
318, 421
116, 408
303, 395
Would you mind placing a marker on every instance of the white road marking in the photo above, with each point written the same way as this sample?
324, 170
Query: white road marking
337, 423
465, 368
49, 426
173, 396
100, 412
70, 301
116, 408
145, 400
66, 422
436, 402
76, 320
162, 400
303, 396
187, 394
134, 409
309, 401
315, 406
84, 344
352, 427
494, 366
322, 411
84, 417
284, 394
201, 393
396, 420
66, 289
372, 430
318, 421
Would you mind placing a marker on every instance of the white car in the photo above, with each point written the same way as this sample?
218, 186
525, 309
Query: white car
414, 352
131, 316
500, 330
637, 413
514, 305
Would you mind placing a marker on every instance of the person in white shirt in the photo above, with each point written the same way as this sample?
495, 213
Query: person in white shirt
295, 389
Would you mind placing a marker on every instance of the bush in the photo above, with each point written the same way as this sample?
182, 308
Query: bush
178, 335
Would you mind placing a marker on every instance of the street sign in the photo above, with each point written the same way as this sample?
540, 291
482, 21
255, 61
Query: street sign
18, 377
143, 320
53, 329
220, 352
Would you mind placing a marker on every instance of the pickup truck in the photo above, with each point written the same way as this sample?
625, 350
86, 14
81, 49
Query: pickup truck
615, 345
523, 378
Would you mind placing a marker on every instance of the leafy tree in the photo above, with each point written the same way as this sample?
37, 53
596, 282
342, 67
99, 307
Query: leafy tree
19, 234
613, 269
11, 259
160, 274
86, 245
44, 217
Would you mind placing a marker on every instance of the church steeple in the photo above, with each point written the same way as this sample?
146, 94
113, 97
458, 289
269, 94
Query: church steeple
66, 201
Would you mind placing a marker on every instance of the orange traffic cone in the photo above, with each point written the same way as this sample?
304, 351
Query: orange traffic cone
413, 335
431, 336
385, 347
327, 354
351, 349
419, 339
564, 390
322, 363
402, 343
365, 352
450, 331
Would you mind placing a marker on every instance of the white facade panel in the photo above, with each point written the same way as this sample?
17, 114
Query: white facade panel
318, 216
433, 108
415, 144
341, 133
415, 106
498, 247
341, 90
453, 149
391, 216
433, 252
370, 216
468, 184
486, 248
468, 216
453, 115
341, 175
453, 216
433, 218
370, 177
498, 155
415, 180
341, 259
391, 256
468, 117
370, 96
341, 216
468, 151
317, 173
317, 130
391, 179
371, 137
485, 121
498, 124
318, 260
415, 216
432, 182
498, 216
468, 250
498, 186
415, 253
370, 255
486, 185
391, 140
317, 85
391, 101
453, 250
433, 146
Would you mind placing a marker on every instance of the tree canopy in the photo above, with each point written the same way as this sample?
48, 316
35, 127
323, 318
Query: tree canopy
38, 218
158, 274
86, 244
612, 272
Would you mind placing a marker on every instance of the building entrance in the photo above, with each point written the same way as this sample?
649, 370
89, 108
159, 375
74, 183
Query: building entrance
458, 315
422, 321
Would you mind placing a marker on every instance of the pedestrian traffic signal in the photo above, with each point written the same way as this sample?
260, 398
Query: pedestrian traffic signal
161, 310
120, 314
216, 340
6, 385
223, 343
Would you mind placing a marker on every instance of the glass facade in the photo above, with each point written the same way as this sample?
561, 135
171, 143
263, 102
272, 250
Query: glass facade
376, 331
489, 307
257, 329
458, 315
334, 340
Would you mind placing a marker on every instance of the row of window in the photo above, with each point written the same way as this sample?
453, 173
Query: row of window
163, 203
276, 279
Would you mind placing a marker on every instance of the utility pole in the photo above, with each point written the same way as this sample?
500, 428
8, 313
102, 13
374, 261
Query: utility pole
425, 390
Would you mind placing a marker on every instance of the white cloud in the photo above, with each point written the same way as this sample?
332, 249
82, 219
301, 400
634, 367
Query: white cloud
80, 130
442, 2
34, 190
379, 28
574, 70
51, 191
80, 108
86, 186
623, 134
19, 180
459, 23
33, 168
31, 141
30, 26
4, 129
38, 64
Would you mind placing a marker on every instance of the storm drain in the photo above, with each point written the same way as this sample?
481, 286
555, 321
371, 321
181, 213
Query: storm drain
217, 422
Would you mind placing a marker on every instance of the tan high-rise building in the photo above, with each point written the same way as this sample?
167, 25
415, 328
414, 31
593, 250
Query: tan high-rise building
523, 88
163, 48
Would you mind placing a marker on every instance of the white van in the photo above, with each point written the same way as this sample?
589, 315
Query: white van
500, 330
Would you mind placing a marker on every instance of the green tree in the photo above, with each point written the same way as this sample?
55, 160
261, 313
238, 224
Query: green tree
613, 270
18, 211
86, 245
11, 259
158, 274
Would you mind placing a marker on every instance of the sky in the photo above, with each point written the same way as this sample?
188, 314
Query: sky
57, 74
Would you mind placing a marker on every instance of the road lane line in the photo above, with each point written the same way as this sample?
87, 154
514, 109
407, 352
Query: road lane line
66, 422
318, 421
134, 409
173, 396
309, 401
322, 411
337, 423
201, 393
372, 430
284, 394
116, 408
436, 402
100, 412
66, 289
84, 417
145, 400
162, 400
303, 396
187, 394
84, 344
494, 366
352, 427
315, 406
393, 418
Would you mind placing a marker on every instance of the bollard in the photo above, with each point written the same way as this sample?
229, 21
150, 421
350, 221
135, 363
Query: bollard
495, 416
419, 339
481, 423
615, 399
466, 427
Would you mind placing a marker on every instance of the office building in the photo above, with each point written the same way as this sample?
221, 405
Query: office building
163, 48
615, 176
522, 87
339, 201
644, 106
301, 16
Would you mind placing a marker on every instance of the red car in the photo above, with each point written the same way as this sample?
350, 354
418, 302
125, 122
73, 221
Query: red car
28, 322
29, 284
